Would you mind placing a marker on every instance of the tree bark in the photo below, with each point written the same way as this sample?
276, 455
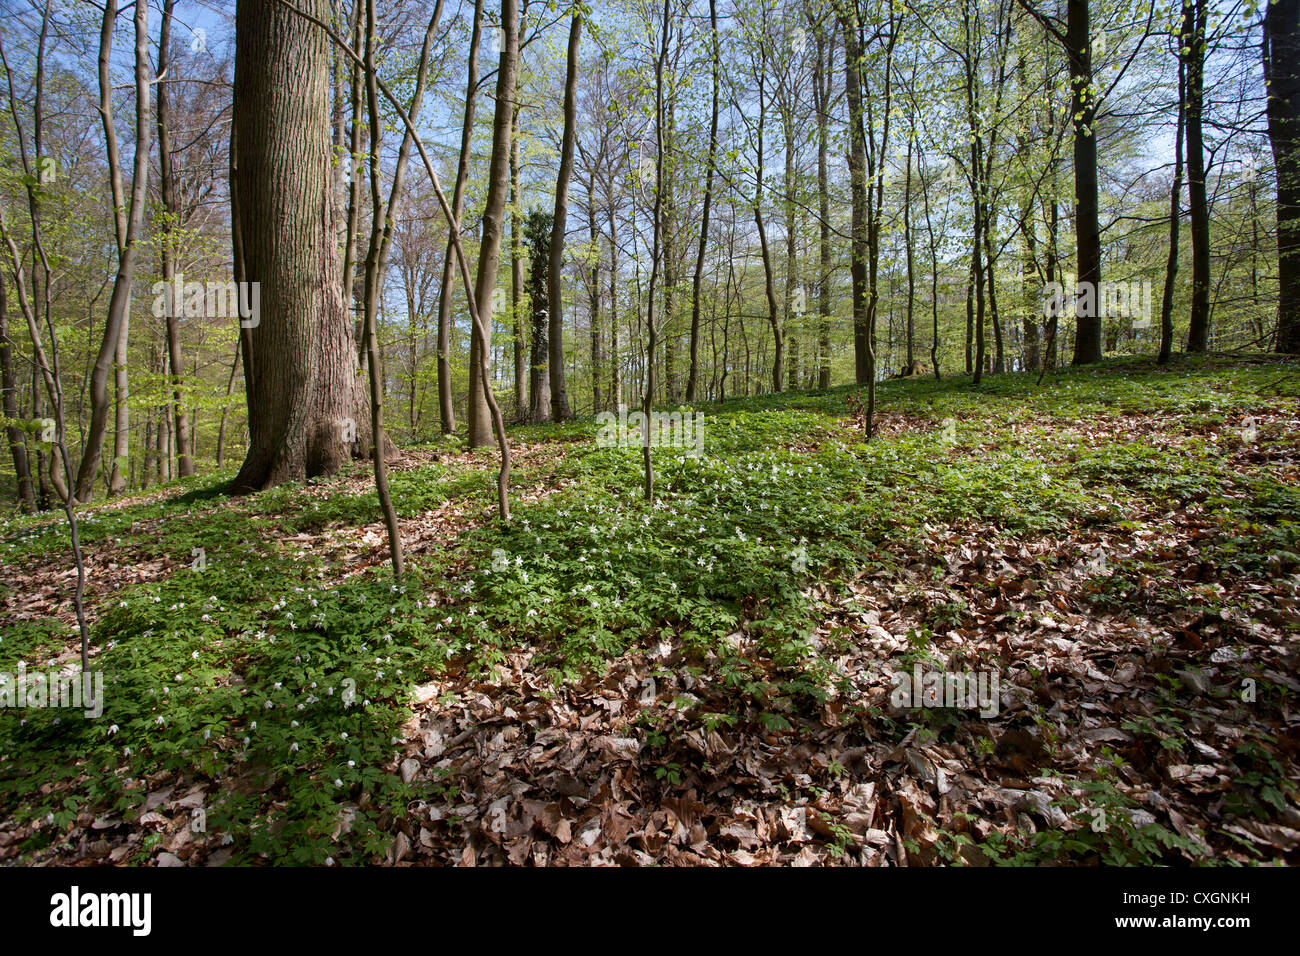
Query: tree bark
172, 212
1087, 223
517, 275
1193, 39
479, 425
821, 102
1282, 71
560, 410
446, 401
857, 188
692, 378
304, 411
129, 222
26, 492
1175, 215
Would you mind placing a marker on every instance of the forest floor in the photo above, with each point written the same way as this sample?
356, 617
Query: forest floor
708, 679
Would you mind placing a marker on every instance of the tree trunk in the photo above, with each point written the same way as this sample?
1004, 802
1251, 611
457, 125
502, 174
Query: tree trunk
907, 240
304, 404
517, 275
648, 400
1175, 216
1282, 70
596, 360
26, 492
381, 220
821, 94
1087, 223
1193, 39
171, 207
446, 402
479, 425
560, 410
129, 222
539, 229
693, 375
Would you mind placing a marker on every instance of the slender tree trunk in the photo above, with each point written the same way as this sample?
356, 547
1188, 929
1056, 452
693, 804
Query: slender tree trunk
1175, 216
446, 402
539, 229
615, 365
225, 411
560, 410
597, 361
354, 167
1194, 37
821, 93
858, 188
171, 207
648, 400
715, 60
970, 317
129, 221
907, 240
517, 275
1028, 272
479, 425
380, 228
26, 492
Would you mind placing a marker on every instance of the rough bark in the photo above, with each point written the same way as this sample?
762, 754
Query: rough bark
304, 415
1282, 70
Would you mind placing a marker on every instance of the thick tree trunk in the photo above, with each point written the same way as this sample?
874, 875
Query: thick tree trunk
306, 411
1087, 222
1282, 69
